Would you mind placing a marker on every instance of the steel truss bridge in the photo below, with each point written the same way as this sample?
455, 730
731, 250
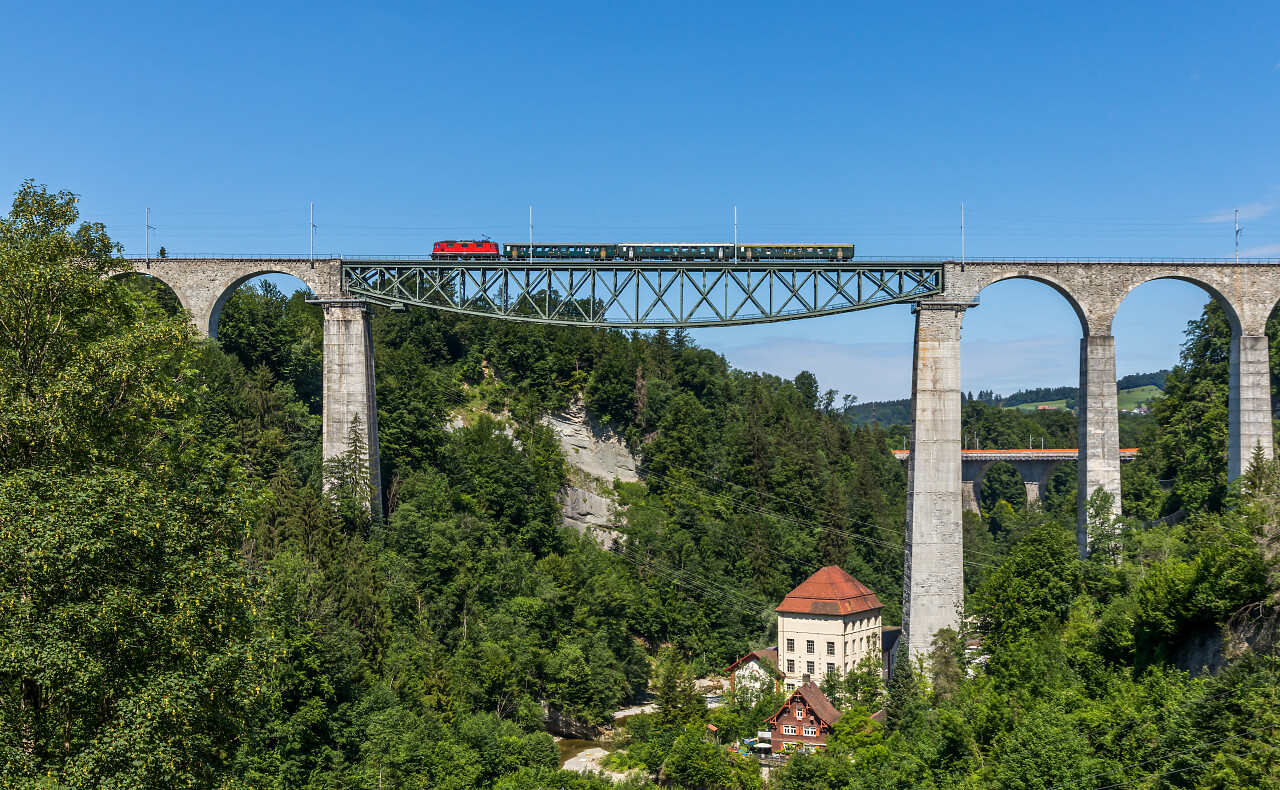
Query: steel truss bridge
642, 294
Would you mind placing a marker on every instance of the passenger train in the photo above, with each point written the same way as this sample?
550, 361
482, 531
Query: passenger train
490, 250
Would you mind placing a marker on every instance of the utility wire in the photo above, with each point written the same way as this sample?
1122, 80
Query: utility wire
1163, 757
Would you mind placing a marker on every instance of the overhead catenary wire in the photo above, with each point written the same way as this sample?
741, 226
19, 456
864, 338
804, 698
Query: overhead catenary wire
1161, 757
1215, 760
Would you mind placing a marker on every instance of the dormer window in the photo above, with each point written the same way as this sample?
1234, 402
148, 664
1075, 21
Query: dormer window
799, 711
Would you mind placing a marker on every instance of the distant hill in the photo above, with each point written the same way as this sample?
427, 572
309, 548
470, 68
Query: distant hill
1134, 390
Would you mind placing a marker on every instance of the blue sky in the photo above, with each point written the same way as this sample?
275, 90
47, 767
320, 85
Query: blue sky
1067, 129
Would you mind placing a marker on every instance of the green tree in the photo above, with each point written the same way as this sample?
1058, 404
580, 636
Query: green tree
1104, 527
675, 695
946, 664
905, 698
1033, 588
132, 651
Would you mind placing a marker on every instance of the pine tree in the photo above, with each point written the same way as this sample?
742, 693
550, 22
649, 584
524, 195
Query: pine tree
904, 689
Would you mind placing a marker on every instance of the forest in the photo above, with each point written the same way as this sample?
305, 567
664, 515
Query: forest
191, 597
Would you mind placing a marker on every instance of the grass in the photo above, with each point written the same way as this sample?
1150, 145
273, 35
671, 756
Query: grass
1127, 400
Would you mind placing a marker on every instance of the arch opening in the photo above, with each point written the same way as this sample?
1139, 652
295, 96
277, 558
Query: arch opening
1052, 284
282, 282
154, 288
1020, 359
273, 332
1175, 332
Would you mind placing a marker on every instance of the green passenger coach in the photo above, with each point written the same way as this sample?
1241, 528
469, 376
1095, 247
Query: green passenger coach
679, 252
600, 252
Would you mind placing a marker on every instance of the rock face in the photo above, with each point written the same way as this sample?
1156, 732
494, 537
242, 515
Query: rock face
600, 456
589, 513
592, 447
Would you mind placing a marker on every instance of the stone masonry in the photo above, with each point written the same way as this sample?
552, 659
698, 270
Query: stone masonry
933, 583
203, 287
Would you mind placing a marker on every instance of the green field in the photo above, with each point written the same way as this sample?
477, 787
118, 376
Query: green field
1132, 399
1128, 399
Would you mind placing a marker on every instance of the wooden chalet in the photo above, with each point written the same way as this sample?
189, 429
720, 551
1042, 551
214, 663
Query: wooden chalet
805, 720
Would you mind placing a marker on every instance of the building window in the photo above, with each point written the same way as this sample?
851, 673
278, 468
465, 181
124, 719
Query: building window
791, 667
788, 729
808, 646
808, 667
799, 713
831, 668
791, 645
791, 687
831, 648
811, 732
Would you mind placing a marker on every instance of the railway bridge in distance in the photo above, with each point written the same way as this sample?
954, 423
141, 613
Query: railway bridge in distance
686, 294
1034, 466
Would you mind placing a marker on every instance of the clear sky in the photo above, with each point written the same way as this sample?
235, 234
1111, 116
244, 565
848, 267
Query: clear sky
1066, 129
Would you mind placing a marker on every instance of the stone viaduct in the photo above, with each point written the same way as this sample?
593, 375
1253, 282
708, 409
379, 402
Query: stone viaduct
933, 589
1035, 467
203, 287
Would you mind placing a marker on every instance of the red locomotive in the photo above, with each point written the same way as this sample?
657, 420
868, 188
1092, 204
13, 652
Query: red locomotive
470, 250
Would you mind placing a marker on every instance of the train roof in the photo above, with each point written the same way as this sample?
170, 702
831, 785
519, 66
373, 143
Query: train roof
730, 244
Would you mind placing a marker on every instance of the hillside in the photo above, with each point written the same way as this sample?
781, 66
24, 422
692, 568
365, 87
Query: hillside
1134, 390
190, 598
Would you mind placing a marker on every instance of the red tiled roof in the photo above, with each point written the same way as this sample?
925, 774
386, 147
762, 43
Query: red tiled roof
830, 591
819, 703
814, 700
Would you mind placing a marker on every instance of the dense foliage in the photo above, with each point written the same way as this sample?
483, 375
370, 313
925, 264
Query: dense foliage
182, 605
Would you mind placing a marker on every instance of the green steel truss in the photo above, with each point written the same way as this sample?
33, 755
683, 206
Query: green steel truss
648, 294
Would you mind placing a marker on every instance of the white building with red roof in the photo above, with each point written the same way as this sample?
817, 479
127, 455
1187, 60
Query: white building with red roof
827, 624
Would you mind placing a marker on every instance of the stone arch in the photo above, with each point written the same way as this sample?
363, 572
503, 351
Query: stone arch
1244, 295
1063, 290
180, 297
203, 286
215, 311
972, 473
1022, 502
1229, 307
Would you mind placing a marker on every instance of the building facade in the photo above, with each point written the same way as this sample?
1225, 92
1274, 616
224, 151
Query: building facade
804, 721
827, 624
757, 669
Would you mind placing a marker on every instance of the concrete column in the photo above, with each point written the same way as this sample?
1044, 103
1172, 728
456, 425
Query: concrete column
971, 474
1099, 431
349, 386
1249, 402
933, 584
1035, 475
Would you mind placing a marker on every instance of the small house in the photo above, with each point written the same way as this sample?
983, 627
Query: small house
757, 669
804, 721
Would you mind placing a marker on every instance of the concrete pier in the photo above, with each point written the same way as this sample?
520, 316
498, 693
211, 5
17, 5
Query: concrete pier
1099, 431
933, 587
349, 386
1249, 403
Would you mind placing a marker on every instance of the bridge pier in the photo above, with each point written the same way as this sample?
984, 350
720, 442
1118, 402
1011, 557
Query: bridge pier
1099, 430
350, 399
1249, 402
971, 475
933, 584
